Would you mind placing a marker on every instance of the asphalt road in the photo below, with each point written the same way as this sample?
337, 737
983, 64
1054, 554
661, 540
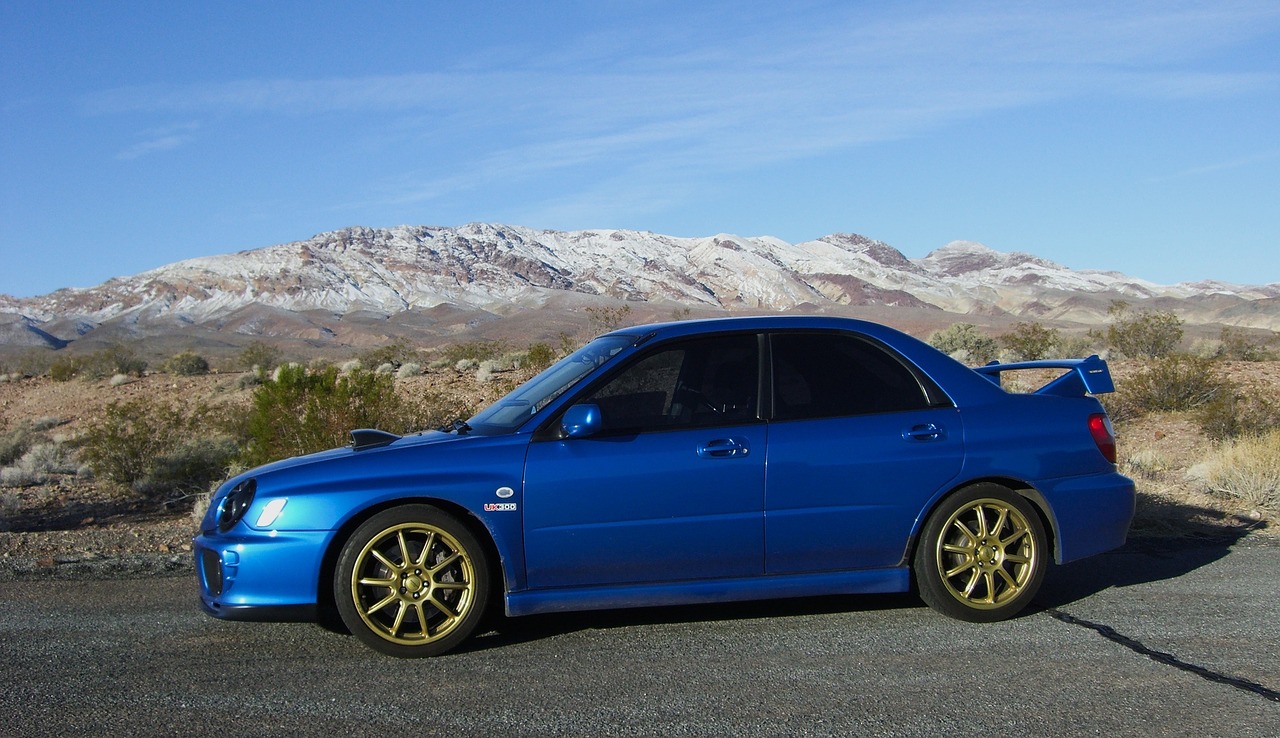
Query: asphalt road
1151, 640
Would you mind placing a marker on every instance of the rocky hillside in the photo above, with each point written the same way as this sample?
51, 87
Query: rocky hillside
334, 286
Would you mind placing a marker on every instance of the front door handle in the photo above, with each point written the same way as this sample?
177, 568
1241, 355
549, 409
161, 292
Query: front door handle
923, 432
724, 448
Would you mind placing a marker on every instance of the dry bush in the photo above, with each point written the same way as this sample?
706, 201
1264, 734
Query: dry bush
1247, 469
1177, 383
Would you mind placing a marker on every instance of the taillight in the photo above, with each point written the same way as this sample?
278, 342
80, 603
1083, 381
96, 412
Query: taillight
1103, 435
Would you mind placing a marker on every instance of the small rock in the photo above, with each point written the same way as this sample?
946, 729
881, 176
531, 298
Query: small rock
164, 548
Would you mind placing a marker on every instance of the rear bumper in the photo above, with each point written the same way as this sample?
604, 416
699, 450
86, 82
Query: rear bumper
1090, 514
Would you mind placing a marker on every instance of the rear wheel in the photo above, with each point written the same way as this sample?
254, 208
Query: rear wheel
982, 555
412, 581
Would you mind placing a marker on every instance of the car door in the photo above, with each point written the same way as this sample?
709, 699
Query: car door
858, 444
670, 488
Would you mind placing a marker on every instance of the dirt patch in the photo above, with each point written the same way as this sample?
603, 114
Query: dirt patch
70, 527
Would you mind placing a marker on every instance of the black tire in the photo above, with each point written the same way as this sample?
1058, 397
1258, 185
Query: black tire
982, 555
412, 581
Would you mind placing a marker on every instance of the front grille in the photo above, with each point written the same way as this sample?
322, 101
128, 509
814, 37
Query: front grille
211, 570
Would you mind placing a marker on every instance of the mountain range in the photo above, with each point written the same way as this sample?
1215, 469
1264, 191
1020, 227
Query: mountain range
358, 286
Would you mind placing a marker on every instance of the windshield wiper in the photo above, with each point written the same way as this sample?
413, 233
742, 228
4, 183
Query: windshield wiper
458, 426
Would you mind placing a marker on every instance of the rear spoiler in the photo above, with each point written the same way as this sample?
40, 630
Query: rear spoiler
1089, 375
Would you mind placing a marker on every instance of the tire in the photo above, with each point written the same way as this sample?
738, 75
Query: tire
982, 555
412, 581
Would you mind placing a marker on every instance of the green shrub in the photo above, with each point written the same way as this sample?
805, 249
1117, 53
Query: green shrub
157, 450
1241, 411
476, 351
1237, 345
398, 352
187, 364
1176, 383
605, 319
299, 412
259, 354
540, 356
1150, 334
964, 342
1031, 341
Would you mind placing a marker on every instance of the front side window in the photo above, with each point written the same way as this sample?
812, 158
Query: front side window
689, 384
823, 375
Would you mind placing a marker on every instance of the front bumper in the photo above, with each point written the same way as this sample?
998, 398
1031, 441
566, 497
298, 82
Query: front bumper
261, 576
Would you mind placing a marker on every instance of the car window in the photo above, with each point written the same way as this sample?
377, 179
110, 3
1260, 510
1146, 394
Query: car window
817, 375
703, 382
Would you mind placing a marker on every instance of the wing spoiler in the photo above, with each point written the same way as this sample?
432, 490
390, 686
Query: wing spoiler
1084, 376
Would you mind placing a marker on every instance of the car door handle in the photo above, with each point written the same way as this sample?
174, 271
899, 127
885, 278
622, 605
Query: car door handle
724, 448
923, 432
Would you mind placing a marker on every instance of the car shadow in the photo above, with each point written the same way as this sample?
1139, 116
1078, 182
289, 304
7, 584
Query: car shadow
1177, 541
506, 631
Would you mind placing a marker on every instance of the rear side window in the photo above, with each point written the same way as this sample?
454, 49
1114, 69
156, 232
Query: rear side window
823, 375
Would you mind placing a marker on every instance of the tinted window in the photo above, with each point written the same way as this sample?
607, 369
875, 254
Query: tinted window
819, 375
709, 381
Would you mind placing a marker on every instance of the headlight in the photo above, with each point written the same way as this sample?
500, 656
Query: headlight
236, 504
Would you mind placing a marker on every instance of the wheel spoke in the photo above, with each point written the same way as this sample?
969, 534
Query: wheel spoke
382, 603
1017, 533
1017, 559
443, 607
1001, 520
957, 549
404, 548
981, 512
1009, 580
452, 586
426, 549
384, 560
965, 566
448, 560
378, 583
395, 627
989, 580
973, 582
964, 529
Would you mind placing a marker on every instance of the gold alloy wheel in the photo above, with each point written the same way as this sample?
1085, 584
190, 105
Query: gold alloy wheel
987, 553
413, 584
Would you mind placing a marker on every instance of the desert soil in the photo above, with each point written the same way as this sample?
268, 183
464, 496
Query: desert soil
71, 526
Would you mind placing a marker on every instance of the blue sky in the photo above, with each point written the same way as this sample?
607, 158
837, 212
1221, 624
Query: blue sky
1142, 137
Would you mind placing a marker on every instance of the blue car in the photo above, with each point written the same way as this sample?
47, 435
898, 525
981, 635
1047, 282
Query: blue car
689, 462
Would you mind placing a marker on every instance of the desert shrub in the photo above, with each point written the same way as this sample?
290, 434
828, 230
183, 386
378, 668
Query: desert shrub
466, 365
1075, 347
1176, 383
65, 368
1247, 469
157, 450
298, 412
395, 353
387, 368
964, 342
1031, 341
476, 351
408, 369
1148, 334
259, 354
187, 364
119, 380
1240, 411
349, 366
604, 319
1237, 345
540, 356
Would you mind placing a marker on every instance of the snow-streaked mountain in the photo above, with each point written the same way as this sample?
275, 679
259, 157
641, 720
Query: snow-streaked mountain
497, 267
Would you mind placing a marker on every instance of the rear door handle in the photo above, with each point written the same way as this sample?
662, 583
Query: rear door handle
724, 448
923, 432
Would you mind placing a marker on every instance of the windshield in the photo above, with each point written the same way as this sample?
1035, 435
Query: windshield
525, 401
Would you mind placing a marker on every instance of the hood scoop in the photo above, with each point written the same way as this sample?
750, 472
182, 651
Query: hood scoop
371, 438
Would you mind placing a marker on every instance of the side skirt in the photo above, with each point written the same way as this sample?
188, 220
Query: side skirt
569, 599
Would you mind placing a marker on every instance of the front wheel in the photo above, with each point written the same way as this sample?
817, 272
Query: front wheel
412, 581
982, 555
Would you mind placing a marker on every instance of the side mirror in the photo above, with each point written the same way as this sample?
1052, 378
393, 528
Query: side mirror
580, 421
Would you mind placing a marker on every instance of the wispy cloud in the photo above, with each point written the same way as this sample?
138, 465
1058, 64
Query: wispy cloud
778, 92
156, 140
